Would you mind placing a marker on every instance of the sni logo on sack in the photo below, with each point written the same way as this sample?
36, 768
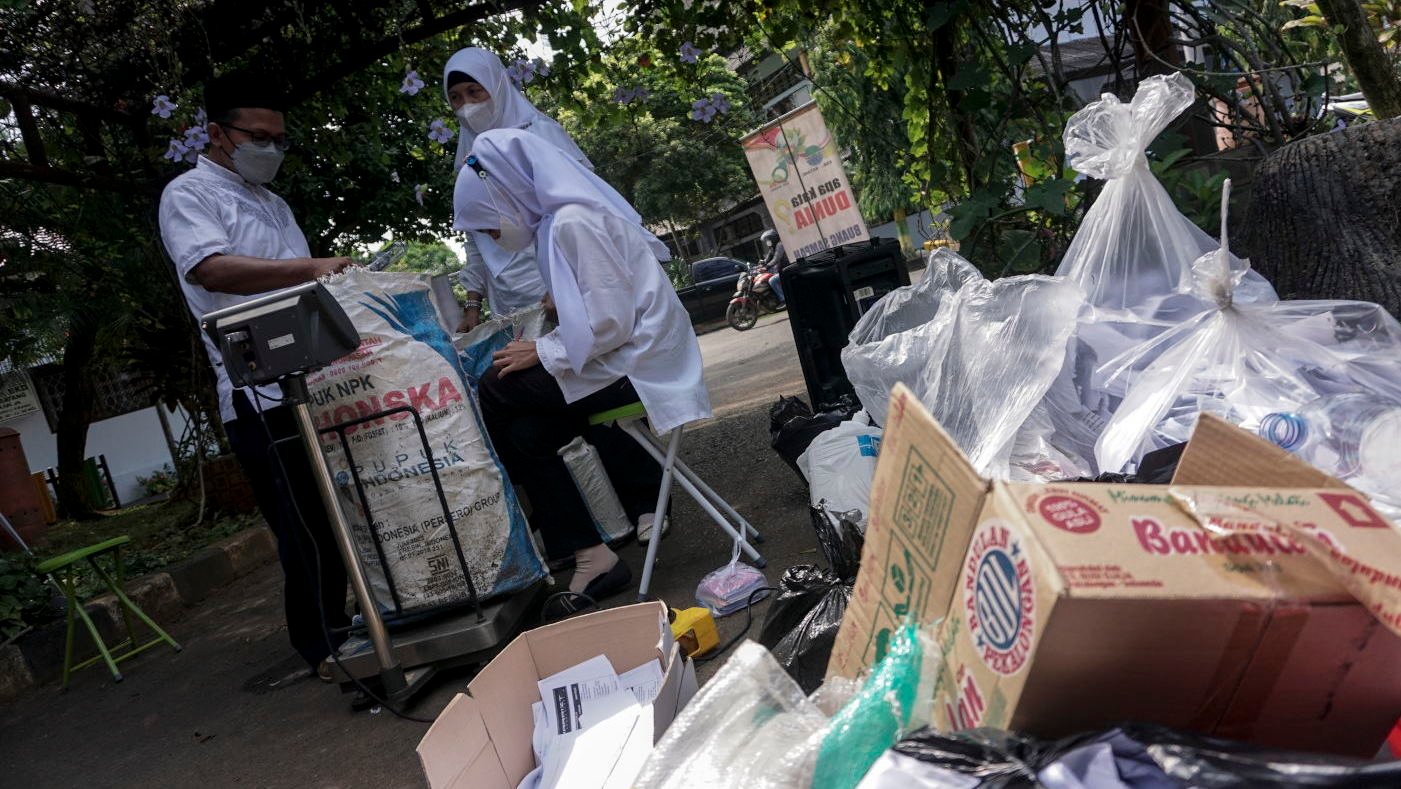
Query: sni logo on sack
999, 598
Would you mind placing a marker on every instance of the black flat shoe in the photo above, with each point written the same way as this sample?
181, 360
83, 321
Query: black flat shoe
610, 583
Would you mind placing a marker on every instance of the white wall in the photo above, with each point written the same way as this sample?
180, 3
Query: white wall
133, 443
921, 228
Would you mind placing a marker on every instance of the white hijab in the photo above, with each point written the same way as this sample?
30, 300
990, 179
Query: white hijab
537, 179
512, 109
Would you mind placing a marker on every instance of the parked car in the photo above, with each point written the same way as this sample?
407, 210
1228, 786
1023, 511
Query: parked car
713, 283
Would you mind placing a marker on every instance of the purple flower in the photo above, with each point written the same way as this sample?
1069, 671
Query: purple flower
412, 84
196, 137
439, 132
201, 117
630, 95
702, 110
541, 67
523, 72
705, 109
419, 191
177, 150
689, 53
163, 106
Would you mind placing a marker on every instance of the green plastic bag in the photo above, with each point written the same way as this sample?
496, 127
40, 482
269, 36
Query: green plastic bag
893, 700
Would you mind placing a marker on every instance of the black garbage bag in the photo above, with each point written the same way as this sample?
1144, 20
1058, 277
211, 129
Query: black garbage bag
840, 538
801, 626
999, 759
793, 426
1143, 756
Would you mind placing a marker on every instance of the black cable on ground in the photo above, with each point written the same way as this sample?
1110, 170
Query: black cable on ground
748, 622
316, 555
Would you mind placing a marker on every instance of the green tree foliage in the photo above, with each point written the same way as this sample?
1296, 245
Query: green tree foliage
867, 118
934, 92
677, 170
428, 257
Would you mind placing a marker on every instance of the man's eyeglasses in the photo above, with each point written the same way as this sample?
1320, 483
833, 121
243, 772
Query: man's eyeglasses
262, 139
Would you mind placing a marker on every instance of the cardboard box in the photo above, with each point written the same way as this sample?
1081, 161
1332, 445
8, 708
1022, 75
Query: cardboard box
1262, 612
482, 738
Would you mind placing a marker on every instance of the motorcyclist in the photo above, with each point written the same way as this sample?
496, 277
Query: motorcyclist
774, 259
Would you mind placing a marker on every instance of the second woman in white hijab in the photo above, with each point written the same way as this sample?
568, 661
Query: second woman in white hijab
483, 97
623, 335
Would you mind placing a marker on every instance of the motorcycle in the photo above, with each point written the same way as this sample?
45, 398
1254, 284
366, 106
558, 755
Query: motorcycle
754, 295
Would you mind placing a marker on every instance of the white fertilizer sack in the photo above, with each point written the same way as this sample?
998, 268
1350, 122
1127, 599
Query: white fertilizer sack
406, 358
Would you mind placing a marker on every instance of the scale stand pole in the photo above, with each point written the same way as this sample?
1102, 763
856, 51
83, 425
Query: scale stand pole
391, 674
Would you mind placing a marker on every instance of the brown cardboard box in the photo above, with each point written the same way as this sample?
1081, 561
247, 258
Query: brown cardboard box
481, 740
1263, 612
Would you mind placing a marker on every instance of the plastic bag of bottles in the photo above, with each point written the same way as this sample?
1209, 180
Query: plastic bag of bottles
1319, 378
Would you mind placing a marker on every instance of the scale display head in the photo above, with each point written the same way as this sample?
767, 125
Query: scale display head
290, 332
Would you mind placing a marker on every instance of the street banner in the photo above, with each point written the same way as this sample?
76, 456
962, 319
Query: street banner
17, 397
798, 167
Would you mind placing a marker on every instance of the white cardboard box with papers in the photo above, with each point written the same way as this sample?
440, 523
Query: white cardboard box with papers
483, 738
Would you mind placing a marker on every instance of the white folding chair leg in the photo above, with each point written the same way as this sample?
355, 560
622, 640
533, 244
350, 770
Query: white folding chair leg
710, 493
669, 462
663, 494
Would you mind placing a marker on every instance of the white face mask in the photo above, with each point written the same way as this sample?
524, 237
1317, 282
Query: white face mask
476, 117
257, 164
514, 237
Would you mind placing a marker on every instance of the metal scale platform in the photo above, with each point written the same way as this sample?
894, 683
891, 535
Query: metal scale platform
281, 338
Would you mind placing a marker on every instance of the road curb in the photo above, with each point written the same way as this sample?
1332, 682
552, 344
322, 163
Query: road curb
37, 656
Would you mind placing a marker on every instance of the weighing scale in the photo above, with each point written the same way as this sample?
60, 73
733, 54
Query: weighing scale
280, 338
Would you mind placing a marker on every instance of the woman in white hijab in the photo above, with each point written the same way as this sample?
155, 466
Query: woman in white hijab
623, 335
483, 97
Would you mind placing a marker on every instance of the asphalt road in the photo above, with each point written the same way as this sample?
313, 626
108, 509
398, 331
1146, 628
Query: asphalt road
211, 716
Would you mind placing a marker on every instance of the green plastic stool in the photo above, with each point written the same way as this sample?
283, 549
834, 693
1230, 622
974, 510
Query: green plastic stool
64, 571
629, 419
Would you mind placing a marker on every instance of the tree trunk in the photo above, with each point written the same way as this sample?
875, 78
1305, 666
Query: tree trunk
1365, 56
1150, 30
1325, 216
72, 439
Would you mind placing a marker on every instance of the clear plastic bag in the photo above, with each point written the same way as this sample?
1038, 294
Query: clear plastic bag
895, 338
1134, 250
1297, 372
733, 587
750, 726
984, 360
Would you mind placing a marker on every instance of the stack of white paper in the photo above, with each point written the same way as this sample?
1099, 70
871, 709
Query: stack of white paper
593, 727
